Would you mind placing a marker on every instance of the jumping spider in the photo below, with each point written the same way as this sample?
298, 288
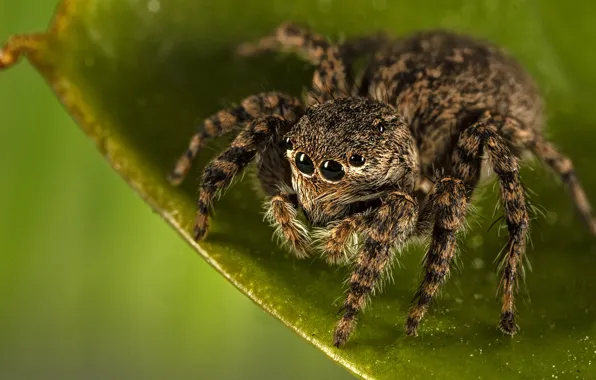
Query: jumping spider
393, 157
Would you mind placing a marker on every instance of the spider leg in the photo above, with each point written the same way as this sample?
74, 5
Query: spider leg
224, 121
467, 159
309, 45
527, 138
448, 203
563, 167
483, 137
290, 37
391, 224
331, 79
281, 213
219, 173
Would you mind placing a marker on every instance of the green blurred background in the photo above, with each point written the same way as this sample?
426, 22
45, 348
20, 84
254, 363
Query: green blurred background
95, 285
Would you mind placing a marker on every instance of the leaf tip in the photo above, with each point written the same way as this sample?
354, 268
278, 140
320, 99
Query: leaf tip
17, 46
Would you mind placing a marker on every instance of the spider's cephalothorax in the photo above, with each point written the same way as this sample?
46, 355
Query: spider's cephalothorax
395, 156
346, 153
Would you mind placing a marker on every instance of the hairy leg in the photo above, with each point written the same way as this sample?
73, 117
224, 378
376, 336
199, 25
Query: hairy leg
448, 205
219, 173
473, 142
331, 79
288, 37
281, 213
529, 138
563, 167
224, 121
310, 45
390, 226
467, 162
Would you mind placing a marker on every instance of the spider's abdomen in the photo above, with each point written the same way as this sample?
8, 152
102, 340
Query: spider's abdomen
443, 82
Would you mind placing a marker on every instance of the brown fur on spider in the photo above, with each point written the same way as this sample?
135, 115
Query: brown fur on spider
355, 158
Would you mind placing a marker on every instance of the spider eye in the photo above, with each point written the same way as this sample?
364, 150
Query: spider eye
332, 170
304, 164
288, 144
356, 160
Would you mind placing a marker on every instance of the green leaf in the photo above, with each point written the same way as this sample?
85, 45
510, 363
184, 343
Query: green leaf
136, 75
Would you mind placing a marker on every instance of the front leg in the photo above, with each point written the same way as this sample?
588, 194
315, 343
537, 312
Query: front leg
218, 174
391, 224
282, 214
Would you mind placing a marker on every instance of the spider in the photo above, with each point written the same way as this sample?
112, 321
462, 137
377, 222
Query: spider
374, 162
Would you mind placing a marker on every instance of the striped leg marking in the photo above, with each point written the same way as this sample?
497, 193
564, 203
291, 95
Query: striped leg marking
219, 173
449, 203
225, 121
473, 142
331, 79
563, 167
392, 224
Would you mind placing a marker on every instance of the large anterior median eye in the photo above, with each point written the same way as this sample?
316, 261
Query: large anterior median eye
304, 163
332, 170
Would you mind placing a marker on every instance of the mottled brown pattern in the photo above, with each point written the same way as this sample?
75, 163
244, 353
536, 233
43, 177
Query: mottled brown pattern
396, 154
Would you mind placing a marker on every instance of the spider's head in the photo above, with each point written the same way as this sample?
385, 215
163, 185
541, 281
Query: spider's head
348, 151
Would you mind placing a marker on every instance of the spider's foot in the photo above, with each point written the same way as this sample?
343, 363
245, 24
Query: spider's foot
412, 324
415, 315
199, 231
175, 178
507, 323
343, 331
182, 167
249, 49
